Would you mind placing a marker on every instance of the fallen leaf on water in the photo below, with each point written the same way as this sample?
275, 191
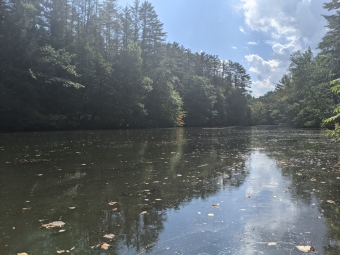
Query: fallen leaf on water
331, 201
105, 246
24, 209
271, 243
62, 230
306, 248
112, 203
72, 207
40, 174
22, 253
158, 199
61, 251
211, 215
114, 209
109, 236
144, 212
53, 224
312, 179
214, 206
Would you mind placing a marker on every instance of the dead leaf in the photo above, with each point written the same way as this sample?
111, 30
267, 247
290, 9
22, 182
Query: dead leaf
72, 207
105, 246
144, 212
112, 203
312, 179
53, 224
158, 199
306, 248
114, 209
61, 251
109, 236
62, 230
40, 174
22, 253
214, 206
331, 201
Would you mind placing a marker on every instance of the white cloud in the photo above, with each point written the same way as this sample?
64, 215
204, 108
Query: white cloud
252, 43
242, 30
234, 47
267, 72
291, 25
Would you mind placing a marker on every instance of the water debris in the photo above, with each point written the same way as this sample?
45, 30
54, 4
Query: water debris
109, 236
215, 206
211, 215
22, 253
248, 196
114, 209
105, 246
158, 199
306, 248
313, 180
331, 201
61, 251
53, 224
39, 174
179, 175
271, 243
112, 203
144, 212
72, 208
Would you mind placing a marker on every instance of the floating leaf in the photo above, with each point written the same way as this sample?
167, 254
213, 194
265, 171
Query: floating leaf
114, 209
109, 236
72, 207
331, 201
62, 230
61, 251
144, 212
39, 174
211, 215
53, 224
105, 246
22, 253
306, 248
214, 206
312, 179
271, 243
158, 199
112, 203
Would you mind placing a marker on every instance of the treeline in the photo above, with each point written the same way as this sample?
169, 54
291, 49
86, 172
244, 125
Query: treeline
71, 64
306, 95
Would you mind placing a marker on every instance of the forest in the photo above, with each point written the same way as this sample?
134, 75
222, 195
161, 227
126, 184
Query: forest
308, 95
91, 64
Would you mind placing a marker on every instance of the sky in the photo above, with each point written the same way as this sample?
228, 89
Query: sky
259, 34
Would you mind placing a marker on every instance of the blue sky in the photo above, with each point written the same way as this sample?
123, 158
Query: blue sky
259, 34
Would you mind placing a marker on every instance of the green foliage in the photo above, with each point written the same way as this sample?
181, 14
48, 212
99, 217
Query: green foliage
91, 64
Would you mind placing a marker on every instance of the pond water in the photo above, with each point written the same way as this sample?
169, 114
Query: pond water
251, 190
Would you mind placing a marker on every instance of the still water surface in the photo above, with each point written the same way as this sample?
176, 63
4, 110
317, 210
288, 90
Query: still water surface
259, 190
